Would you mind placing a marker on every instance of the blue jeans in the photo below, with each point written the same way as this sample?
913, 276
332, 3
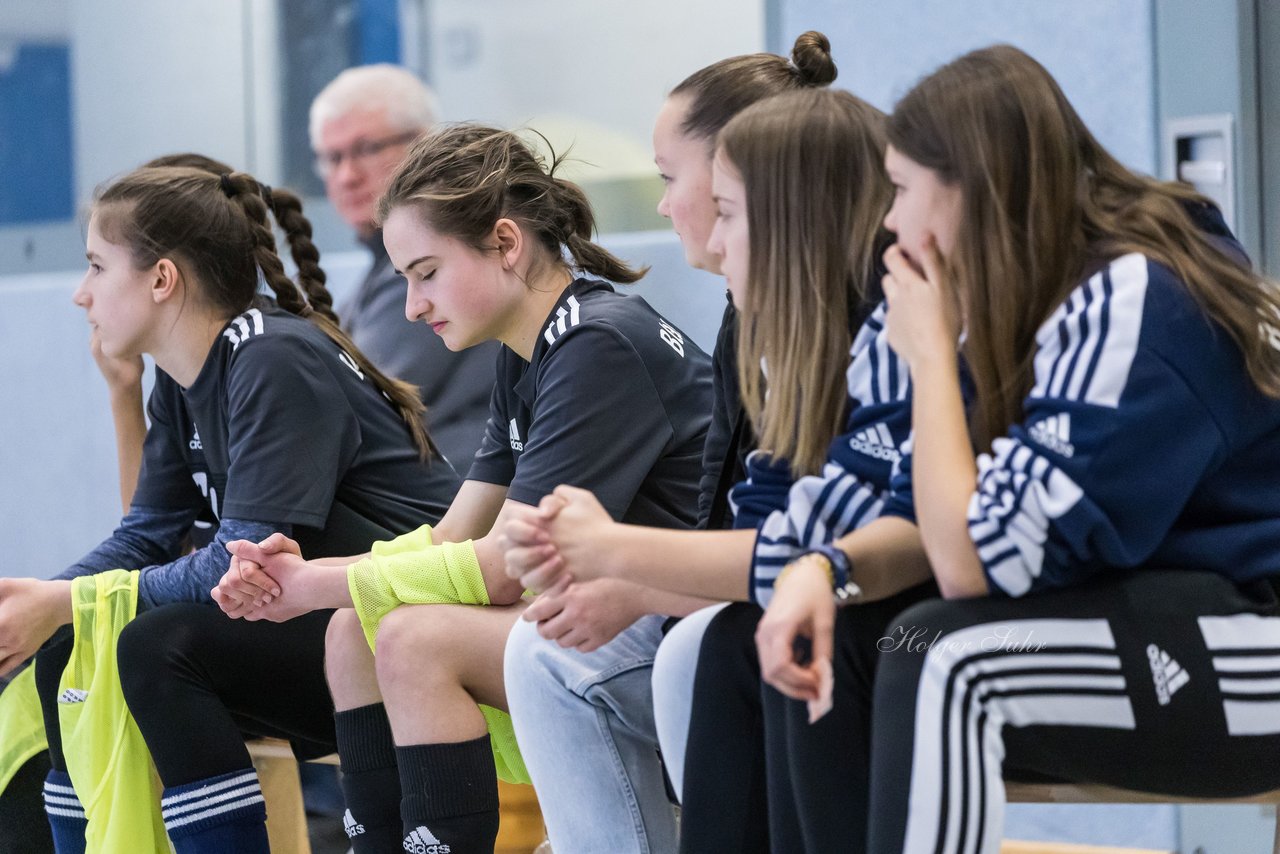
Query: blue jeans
585, 726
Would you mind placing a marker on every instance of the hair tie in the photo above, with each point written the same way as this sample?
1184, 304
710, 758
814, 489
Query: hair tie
306, 311
227, 187
265, 190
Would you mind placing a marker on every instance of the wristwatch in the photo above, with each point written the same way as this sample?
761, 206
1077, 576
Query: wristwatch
846, 590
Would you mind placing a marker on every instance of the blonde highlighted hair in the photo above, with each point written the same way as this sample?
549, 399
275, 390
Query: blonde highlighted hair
811, 163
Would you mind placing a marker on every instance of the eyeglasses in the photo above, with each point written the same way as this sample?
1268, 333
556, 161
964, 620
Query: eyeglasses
327, 162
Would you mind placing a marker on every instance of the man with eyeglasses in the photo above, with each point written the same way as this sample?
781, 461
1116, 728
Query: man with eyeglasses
361, 125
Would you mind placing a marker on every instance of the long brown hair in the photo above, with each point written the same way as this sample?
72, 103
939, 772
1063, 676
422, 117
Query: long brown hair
812, 166
463, 178
216, 230
1042, 202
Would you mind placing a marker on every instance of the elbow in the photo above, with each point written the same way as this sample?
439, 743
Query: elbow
503, 591
960, 580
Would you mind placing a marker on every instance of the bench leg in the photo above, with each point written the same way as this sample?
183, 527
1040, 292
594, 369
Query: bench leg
1275, 845
286, 817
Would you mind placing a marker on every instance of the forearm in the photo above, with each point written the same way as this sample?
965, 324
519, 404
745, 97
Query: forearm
131, 430
191, 577
710, 564
946, 475
145, 537
670, 604
887, 556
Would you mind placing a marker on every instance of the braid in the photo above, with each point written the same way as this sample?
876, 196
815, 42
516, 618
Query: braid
243, 191
317, 305
287, 208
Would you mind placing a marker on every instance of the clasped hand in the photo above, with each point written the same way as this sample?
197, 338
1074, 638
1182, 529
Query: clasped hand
255, 583
566, 537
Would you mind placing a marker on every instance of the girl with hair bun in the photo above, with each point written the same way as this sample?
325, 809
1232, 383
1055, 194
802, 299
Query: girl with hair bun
266, 416
799, 194
594, 388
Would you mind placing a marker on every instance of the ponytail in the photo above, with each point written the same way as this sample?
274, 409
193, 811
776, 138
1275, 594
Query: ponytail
464, 178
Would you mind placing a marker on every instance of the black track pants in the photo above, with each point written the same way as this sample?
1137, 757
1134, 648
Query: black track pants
1160, 681
198, 683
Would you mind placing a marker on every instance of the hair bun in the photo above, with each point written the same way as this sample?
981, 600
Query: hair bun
811, 56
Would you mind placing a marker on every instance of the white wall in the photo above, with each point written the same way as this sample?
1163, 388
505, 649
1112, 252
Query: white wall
1100, 51
152, 77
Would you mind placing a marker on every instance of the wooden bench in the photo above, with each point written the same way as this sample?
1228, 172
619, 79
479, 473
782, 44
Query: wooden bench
521, 828
1072, 793
519, 832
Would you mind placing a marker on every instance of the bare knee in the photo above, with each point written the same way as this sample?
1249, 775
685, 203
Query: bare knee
348, 662
417, 644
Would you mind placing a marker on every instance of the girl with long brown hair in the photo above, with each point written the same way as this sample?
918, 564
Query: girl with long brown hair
594, 387
1108, 552
264, 415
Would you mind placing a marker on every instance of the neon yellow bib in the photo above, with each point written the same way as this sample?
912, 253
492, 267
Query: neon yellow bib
107, 759
21, 725
411, 570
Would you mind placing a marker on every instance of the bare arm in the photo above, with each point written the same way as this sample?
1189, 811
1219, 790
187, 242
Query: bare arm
922, 332
571, 534
261, 572
124, 384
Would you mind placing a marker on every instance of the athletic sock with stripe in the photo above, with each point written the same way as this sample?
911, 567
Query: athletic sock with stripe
218, 815
66, 813
370, 779
450, 803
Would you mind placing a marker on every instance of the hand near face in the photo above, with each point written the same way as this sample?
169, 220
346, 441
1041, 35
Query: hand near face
921, 324
121, 373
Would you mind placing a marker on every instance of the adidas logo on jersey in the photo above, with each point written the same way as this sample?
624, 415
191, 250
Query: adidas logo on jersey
244, 327
350, 825
1054, 433
1167, 674
71, 696
423, 841
671, 335
876, 442
513, 432
195, 444
566, 318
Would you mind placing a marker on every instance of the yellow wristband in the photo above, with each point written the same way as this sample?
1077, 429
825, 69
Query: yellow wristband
822, 560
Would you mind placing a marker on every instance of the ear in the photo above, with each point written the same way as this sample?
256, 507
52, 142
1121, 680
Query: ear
165, 281
509, 238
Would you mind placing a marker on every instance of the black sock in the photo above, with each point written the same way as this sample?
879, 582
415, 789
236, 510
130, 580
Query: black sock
370, 779
450, 803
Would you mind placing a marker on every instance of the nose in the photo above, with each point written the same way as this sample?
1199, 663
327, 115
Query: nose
81, 295
664, 207
715, 246
891, 218
416, 304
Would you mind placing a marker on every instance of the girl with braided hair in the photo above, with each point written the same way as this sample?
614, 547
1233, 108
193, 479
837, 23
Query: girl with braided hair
262, 413
594, 388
